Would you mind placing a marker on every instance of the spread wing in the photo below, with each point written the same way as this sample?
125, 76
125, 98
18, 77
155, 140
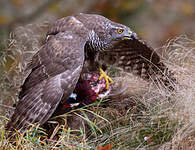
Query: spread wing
55, 72
135, 56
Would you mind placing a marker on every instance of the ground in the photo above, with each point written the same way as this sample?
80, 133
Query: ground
142, 116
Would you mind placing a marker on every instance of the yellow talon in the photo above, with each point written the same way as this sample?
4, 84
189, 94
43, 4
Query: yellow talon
106, 77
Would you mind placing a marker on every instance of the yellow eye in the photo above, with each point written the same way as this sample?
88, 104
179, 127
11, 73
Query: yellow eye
120, 31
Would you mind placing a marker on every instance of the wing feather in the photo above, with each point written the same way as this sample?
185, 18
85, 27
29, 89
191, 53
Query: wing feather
55, 72
135, 56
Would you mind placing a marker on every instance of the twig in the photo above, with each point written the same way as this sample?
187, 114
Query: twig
10, 107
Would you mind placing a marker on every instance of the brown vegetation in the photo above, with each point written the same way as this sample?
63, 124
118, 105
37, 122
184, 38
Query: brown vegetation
139, 115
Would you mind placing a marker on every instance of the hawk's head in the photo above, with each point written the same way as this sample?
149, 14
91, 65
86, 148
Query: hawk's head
103, 32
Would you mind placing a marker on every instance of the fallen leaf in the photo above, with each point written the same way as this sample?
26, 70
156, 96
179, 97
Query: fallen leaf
106, 147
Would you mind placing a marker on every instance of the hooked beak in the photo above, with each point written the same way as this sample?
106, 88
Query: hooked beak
130, 35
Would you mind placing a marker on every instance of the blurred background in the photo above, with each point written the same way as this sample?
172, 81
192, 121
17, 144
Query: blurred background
156, 21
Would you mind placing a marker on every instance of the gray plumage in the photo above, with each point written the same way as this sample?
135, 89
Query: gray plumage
74, 45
